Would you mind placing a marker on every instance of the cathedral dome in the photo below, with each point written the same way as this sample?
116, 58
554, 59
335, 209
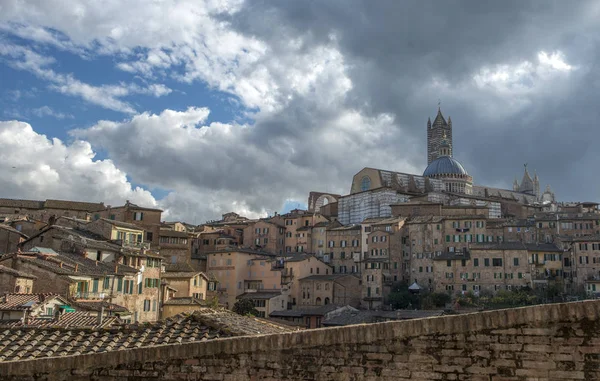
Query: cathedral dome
444, 165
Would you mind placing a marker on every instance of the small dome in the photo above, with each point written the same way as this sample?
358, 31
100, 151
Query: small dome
444, 165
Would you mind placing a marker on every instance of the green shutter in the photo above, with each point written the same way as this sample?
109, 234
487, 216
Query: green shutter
448, 238
95, 285
140, 287
120, 285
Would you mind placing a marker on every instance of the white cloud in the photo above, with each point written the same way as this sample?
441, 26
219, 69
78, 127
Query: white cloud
524, 76
107, 96
33, 166
48, 111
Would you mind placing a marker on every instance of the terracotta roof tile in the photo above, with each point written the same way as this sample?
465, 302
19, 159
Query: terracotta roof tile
20, 274
79, 319
19, 302
206, 324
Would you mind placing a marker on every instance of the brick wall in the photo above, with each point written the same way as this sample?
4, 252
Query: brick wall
560, 341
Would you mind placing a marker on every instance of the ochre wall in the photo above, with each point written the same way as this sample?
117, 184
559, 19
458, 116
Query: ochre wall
559, 341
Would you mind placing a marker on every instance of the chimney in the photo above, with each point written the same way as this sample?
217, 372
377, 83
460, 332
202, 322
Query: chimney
116, 268
101, 315
61, 264
96, 263
76, 266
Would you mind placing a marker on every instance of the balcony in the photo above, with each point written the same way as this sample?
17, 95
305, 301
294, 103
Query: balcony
593, 278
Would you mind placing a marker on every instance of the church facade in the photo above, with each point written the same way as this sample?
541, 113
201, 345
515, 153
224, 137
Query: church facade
445, 180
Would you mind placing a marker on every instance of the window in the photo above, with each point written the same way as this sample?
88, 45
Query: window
148, 236
49, 311
365, 183
106, 284
449, 263
138, 216
486, 262
516, 261
475, 262
153, 305
146, 305
496, 262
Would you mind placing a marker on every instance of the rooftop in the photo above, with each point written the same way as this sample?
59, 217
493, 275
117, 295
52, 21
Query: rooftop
79, 319
349, 317
10, 229
70, 264
13, 272
20, 302
205, 324
326, 277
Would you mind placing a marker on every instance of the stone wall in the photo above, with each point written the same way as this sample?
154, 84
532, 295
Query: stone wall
550, 342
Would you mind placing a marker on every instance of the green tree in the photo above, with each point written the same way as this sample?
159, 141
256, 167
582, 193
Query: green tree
401, 298
244, 307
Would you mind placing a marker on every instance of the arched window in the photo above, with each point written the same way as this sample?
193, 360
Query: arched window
326, 301
318, 301
326, 286
365, 183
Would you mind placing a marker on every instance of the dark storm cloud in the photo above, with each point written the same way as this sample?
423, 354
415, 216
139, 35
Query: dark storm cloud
394, 50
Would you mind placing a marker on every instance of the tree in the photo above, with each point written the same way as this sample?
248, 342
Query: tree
401, 297
244, 307
436, 300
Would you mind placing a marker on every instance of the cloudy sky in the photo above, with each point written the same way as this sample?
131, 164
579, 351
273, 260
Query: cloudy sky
205, 107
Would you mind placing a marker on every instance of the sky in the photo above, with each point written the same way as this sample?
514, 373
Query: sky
205, 107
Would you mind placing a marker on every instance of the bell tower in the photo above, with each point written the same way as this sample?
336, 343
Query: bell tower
438, 131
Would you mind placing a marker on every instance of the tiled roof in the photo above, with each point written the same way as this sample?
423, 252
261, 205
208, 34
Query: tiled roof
498, 246
97, 305
70, 264
183, 301
12, 230
350, 317
74, 205
543, 247
180, 270
262, 295
345, 227
173, 233
13, 272
137, 207
326, 277
22, 343
314, 311
450, 255
20, 302
125, 225
242, 250
78, 236
585, 238
28, 204
79, 319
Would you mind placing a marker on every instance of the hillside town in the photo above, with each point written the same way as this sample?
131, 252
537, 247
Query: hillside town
338, 262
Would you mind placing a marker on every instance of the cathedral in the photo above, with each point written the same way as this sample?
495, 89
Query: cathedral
444, 181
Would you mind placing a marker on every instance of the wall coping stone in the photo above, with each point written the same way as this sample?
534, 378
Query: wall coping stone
539, 315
